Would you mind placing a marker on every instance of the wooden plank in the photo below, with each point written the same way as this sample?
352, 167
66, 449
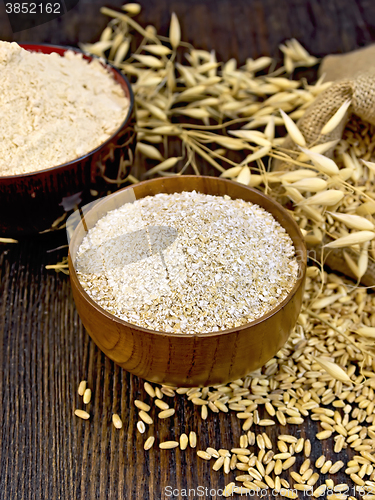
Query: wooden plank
45, 451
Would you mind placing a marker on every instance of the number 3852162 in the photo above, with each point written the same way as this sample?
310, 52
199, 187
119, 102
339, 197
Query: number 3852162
33, 8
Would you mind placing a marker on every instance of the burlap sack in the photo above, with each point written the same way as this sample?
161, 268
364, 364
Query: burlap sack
353, 77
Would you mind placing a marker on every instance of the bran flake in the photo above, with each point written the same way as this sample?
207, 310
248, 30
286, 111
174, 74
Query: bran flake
187, 262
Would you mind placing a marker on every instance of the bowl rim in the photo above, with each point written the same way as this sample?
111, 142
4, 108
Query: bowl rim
105, 63
299, 282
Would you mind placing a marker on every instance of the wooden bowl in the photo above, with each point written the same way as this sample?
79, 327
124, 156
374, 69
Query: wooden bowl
30, 203
187, 359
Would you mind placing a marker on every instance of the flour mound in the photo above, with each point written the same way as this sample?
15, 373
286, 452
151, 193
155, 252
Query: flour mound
53, 109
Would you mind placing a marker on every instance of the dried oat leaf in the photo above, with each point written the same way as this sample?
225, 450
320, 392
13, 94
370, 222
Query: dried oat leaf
228, 142
195, 91
353, 221
288, 63
319, 148
186, 75
258, 64
312, 184
149, 61
337, 118
293, 131
334, 370
231, 173
257, 155
351, 264
121, 52
149, 151
98, 48
345, 174
8, 240
256, 180
132, 8
244, 176
299, 50
326, 301
326, 165
297, 175
194, 112
251, 136
164, 165
203, 103
116, 44
157, 50
369, 164
363, 260
106, 34
352, 239
366, 331
153, 110
326, 198
269, 131
174, 31
127, 20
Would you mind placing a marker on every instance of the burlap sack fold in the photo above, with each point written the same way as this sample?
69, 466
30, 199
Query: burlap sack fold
356, 81
339, 66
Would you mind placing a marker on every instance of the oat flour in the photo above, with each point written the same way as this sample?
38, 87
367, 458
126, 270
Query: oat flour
53, 109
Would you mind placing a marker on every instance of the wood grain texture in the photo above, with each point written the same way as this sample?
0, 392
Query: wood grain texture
45, 452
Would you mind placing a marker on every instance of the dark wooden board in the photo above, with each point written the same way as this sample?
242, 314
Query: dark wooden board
241, 28
45, 452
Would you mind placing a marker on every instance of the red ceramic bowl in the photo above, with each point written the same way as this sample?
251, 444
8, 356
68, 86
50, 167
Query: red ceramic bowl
30, 203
